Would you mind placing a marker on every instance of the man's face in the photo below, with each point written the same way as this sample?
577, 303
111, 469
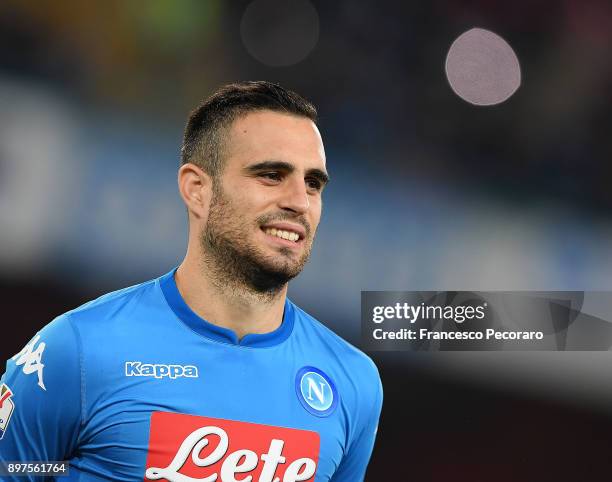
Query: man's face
266, 204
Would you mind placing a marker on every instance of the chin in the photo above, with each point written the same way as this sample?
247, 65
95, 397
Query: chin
281, 269
282, 263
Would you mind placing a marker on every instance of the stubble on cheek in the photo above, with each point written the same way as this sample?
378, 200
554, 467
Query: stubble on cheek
234, 256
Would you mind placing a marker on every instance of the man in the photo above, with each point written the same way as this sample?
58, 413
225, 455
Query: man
208, 373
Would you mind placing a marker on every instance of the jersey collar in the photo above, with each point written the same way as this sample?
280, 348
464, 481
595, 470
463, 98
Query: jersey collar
219, 333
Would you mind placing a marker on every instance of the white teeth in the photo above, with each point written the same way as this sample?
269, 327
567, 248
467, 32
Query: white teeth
288, 235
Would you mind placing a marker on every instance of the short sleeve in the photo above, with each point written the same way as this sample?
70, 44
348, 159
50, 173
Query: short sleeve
40, 397
354, 464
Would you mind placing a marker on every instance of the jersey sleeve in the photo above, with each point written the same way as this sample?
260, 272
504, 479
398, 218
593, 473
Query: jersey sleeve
353, 465
40, 397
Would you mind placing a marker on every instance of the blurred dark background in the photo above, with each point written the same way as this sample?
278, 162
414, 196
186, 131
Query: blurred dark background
429, 192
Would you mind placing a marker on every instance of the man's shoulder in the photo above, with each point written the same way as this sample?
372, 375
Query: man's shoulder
112, 303
328, 340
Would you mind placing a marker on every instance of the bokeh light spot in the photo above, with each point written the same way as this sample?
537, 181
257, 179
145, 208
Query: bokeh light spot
482, 68
280, 33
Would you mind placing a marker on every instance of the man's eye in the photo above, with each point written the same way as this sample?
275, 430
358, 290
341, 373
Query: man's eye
275, 176
314, 184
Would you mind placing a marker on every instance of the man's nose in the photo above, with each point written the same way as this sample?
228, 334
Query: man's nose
295, 196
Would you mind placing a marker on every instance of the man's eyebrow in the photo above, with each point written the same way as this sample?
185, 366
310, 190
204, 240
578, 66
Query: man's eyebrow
317, 173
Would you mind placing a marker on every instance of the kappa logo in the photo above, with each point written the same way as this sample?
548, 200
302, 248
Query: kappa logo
31, 359
159, 370
6, 408
316, 392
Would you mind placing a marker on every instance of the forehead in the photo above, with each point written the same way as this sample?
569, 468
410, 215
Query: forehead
265, 134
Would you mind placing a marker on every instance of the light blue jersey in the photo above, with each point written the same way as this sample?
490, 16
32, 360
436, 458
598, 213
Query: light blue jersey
135, 386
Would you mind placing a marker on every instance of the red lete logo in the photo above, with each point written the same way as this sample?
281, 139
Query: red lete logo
188, 448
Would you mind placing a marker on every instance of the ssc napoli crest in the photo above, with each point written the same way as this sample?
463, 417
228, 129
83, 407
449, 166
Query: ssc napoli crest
316, 391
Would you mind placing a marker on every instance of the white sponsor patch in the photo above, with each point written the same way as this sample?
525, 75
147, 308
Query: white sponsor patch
6, 408
159, 370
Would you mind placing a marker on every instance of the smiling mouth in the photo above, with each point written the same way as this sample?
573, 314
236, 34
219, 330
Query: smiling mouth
285, 235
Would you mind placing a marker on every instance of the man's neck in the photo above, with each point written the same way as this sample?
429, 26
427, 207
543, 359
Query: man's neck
239, 310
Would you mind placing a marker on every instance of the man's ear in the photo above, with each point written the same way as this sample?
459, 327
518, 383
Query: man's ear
195, 187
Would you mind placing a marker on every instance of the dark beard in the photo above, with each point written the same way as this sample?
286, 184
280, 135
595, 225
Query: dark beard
235, 264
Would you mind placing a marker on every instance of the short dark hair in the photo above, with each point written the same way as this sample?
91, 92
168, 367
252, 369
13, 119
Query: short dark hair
203, 138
